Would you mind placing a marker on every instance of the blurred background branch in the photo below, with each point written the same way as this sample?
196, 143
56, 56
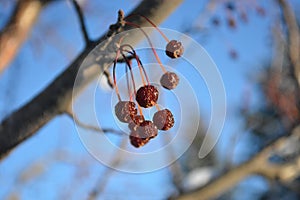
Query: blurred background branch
18, 28
266, 145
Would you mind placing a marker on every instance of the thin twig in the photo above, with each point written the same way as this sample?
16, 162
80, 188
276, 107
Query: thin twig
91, 127
108, 78
102, 182
175, 169
81, 21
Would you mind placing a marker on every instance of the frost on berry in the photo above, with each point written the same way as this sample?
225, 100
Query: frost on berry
136, 141
147, 130
147, 96
163, 119
135, 122
169, 80
143, 133
174, 49
125, 110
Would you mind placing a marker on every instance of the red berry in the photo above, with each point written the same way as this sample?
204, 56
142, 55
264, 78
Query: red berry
135, 122
143, 133
147, 96
125, 110
169, 80
163, 119
147, 130
136, 141
174, 49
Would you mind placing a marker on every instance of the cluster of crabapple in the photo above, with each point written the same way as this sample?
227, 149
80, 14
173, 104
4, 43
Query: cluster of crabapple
130, 111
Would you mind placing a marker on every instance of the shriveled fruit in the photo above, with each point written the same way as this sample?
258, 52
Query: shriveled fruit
147, 96
163, 119
147, 130
136, 140
125, 111
174, 49
169, 80
135, 122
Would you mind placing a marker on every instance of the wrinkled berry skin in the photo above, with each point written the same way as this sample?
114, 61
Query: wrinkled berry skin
143, 133
135, 122
147, 130
163, 119
169, 80
136, 141
147, 96
174, 49
125, 111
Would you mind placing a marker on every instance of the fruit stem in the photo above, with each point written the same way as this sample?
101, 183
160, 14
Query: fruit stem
152, 47
148, 20
128, 86
114, 69
114, 75
128, 63
128, 83
139, 62
157, 107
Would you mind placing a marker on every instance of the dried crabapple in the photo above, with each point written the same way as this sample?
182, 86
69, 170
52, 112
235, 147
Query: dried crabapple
137, 141
169, 80
135, 122
147, 96
147, 130
125, 110
163, 119
174, 49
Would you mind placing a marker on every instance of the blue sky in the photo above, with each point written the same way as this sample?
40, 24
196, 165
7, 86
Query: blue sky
73, 171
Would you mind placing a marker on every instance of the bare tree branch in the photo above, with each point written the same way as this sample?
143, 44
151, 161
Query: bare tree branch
56, 98
108, 78
259, 164
293, 37
102, 182
91, 127
18, 28
81, 22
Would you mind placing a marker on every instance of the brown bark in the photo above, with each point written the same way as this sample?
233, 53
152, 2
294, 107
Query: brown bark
259, 164
17, 29
56, 98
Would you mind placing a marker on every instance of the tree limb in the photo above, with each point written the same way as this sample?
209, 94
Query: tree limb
18, 28
57, 96
259, 164
293, 36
